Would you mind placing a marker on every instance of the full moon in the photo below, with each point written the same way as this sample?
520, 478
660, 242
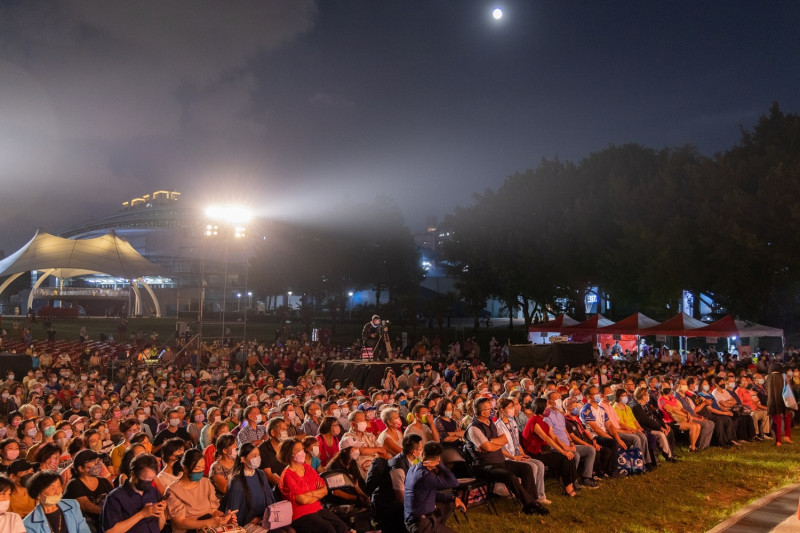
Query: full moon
497, 14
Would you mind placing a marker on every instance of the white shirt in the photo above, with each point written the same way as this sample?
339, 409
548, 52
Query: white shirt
11, 523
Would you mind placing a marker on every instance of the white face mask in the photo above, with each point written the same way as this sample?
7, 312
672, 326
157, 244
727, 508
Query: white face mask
361, 427
315, 451
355, 453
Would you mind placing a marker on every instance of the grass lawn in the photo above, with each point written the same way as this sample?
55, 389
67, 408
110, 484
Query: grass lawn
692, 495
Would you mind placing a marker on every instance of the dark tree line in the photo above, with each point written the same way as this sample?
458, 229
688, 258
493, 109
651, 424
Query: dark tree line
643, 225
368, 247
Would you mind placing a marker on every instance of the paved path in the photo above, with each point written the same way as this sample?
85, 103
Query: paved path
776, 512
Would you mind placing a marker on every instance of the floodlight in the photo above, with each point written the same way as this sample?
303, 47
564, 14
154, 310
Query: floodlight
233, 214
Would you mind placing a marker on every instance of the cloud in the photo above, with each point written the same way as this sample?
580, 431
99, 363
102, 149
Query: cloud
89, 86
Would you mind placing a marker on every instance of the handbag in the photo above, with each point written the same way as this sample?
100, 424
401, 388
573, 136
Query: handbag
277, 515
788, 398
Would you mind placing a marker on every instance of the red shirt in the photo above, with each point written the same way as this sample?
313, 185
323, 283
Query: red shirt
326, 452
531, 442
292, 485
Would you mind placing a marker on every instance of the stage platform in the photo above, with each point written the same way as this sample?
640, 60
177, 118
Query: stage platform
365, 374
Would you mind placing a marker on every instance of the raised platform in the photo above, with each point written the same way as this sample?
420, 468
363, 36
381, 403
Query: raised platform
365, 374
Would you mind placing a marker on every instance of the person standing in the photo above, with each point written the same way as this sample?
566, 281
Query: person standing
373, 337
776, 407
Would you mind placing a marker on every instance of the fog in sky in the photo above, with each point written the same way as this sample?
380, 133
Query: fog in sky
296, 106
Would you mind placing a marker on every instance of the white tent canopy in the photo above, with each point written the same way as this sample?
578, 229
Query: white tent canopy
67, 258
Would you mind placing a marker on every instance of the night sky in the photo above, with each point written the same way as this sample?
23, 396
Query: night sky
299, 107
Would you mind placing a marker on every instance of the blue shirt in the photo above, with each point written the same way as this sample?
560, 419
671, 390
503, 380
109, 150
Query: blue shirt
260, 497
124, 502
559, 426
421, 490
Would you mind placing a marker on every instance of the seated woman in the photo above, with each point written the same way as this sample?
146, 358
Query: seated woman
191, 501
450, 435
51, 512
540, 444
391, 438
311, 447
132, 452
328, 438
346, 461
222, 467
303, 487
249, 493
87, 487
171, 453
10, 522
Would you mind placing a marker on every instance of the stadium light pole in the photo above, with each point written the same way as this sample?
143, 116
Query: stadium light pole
233, 218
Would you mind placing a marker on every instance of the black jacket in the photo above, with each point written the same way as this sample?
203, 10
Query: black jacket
645, 417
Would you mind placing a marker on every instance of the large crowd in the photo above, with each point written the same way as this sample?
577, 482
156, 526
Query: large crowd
253, 437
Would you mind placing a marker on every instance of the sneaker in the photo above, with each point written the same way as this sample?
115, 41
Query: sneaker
543, 501
589, 483
768, 437
671, 460
758, 438
535, 508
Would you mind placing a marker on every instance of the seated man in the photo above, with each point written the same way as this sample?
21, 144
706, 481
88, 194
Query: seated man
136, 505
605, 457
485, 445
424, 486
629, 434
596, 422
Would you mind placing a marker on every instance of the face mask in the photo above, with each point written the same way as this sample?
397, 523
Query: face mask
575, 411
355, 453
337, 413
624, 400
597, 398
705, 388
142, 485
403, 402
217, 418
31, 432
284, 435
345, 410
760, 381
96, 470
609, 398
255, 463
299, 457
52, 500
361, 427
199, 418
196, 476
315, 451
448, 414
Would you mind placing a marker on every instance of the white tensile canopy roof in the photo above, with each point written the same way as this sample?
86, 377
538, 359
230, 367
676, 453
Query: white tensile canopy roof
68, 258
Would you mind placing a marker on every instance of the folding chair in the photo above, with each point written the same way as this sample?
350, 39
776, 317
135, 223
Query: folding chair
467, 480
337, 480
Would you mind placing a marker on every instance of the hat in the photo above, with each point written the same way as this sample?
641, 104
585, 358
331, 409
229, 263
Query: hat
76, 418
273, 411
83, 457
350, 442
366, 407
19, 465
342, 402
374, 317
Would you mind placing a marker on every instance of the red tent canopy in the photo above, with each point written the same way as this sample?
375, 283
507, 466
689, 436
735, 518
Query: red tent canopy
631, 325
681, 325
557, 324
728, 327
590, 326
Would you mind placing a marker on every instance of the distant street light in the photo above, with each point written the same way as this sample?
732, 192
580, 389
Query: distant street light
238, 301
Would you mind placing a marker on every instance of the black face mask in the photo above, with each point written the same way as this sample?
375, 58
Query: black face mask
142, 485
666, 391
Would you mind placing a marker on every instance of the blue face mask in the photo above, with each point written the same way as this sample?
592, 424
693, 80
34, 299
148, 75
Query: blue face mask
598, 398
196, 476
576, 411
403, 402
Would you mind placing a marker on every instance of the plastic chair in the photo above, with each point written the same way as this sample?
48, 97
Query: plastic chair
356, 517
